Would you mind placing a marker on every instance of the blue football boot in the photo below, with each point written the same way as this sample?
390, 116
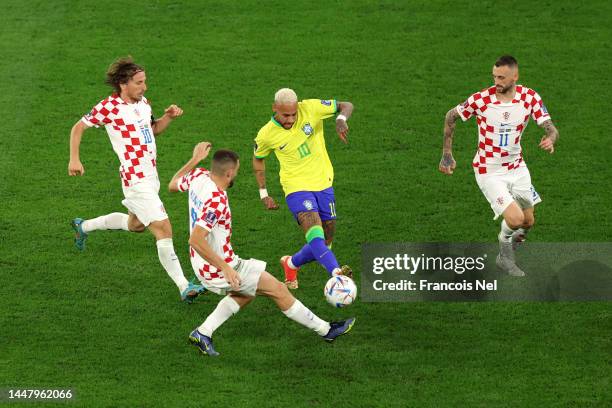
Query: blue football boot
204, 343
338, 329
192, 291
81, 236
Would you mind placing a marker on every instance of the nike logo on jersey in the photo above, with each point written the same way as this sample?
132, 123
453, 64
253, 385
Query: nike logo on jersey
283, 146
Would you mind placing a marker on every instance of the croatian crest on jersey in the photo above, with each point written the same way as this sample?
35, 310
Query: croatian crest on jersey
326, 102
308, 205
307, 129
500, 200
506, 115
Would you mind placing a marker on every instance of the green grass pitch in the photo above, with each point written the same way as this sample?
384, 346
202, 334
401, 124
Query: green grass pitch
108, 322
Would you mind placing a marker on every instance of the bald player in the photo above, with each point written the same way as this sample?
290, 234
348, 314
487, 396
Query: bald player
295, 135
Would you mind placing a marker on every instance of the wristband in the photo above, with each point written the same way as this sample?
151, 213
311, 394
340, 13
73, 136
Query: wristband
263, 193
341, 116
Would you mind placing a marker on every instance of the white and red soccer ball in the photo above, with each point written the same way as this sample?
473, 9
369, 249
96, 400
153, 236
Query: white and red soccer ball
340, 291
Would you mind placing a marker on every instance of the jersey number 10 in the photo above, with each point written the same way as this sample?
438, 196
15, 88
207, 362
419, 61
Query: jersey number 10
147, 134
303, 150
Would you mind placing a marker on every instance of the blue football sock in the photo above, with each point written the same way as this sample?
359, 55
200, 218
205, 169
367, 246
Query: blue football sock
303, 256
323, 255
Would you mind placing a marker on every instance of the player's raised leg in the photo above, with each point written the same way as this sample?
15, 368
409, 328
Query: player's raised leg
269, 286
513, 220
315, 249
162, 230
305, 255
82, 228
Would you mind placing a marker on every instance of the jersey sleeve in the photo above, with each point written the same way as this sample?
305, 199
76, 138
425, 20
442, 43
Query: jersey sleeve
262, 148
214, 208
100, 115
185, 182
470, 107
323, 108
539, 113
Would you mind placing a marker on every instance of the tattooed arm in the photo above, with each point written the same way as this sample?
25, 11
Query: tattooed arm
448, 164
552, 134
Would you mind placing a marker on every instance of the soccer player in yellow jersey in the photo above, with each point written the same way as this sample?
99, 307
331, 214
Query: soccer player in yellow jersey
295, 135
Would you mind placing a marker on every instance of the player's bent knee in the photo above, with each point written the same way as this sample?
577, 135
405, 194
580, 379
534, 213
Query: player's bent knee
529, 222
514, 217
136, 227
515, 222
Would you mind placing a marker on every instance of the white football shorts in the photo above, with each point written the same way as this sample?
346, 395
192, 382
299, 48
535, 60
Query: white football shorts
249, 270
502, 189
142, 199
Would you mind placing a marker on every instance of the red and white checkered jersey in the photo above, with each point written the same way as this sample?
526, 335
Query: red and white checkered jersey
500, 127
209, 208
131, 134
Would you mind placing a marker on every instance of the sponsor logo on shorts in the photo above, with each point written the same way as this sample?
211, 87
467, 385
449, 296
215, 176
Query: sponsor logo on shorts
307, 129
308, 205
325, 102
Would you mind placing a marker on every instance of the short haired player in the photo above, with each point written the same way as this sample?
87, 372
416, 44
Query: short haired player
502, 113
127, 117
295, 135
213, 257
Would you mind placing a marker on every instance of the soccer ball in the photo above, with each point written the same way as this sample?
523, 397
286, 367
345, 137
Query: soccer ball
340, 291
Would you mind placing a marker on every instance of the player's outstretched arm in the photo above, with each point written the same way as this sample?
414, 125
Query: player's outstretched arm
200, 152
172, 112
345, 110
259, 168
198, 242
550, 138
447, 163
75, 167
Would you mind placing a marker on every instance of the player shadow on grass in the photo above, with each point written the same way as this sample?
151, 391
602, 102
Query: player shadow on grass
583, 280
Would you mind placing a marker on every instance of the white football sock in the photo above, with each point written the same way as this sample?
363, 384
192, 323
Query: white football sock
523, 231
301, 314
170, 262
225, 309
290, 263
113, 221
505, 235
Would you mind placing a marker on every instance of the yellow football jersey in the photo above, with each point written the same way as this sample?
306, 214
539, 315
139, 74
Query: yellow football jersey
301, 152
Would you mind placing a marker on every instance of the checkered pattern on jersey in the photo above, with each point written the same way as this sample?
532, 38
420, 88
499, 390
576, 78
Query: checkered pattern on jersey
489, 154
477, 103
532, 102
106, 113
186, 180
216, 214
